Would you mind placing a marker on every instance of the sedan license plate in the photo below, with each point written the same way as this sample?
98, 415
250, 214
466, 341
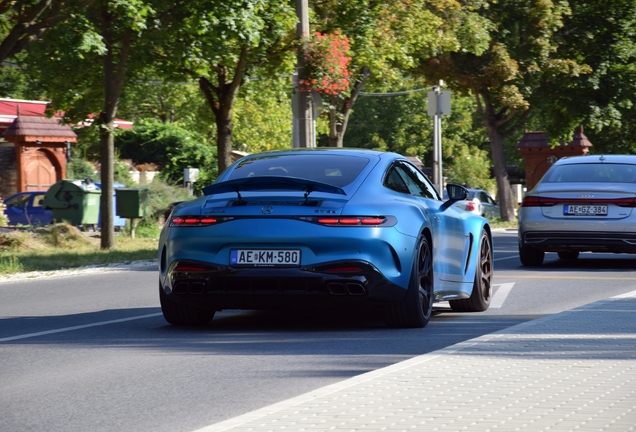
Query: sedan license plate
585, 210
265, 257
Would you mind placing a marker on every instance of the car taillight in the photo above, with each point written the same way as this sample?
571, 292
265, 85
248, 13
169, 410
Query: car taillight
192, 221
352, 221
534, 201
471, 206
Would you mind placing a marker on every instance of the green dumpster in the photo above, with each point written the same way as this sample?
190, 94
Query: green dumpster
132, 203
74, 201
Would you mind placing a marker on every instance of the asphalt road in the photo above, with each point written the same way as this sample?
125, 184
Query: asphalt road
92, 352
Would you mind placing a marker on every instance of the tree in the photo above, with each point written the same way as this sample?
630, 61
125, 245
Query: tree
169, 146
221, 43
522, 57
400, 123
85, 68
23, 21
384, 37
603, 36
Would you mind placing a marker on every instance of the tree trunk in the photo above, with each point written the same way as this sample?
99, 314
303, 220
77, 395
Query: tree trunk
338, 120
494, 121
221, 100
114, 65
107, 151
504, 192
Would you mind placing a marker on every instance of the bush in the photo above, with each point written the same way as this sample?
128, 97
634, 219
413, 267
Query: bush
79, 168
4, 220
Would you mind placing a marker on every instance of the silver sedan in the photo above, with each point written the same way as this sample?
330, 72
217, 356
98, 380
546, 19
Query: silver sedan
582, 204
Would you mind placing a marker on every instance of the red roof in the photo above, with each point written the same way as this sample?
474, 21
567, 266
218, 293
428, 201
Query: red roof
11, 108
37, 126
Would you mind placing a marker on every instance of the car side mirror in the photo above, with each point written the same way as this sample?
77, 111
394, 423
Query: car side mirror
456, 192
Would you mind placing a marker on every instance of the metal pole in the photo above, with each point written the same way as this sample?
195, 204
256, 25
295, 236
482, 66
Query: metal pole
438, 118
435, 152
305, 121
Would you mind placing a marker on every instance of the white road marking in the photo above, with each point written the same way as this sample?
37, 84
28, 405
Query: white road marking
501, 294
66, 329
498, 298
506, 258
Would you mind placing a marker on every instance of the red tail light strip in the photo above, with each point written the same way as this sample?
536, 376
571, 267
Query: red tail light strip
193, 221
352, 221
200, 221
533, 201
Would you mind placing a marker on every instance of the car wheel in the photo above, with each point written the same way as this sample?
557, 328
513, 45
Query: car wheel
180, 314
530, 257
416, 308
568, 255
479, 300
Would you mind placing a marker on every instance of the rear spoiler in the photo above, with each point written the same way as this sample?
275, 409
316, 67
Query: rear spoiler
271, 183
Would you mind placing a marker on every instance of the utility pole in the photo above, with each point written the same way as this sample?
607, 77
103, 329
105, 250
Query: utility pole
304, 135
438, 105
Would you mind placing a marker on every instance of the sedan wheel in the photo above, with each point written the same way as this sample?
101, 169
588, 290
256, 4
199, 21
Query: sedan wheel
479, 300
416, 308
180, 314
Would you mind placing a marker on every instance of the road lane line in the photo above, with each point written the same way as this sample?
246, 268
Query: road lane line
506, 258
501, 294
66, 329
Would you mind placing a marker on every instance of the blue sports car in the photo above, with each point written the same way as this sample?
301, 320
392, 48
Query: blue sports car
333, 228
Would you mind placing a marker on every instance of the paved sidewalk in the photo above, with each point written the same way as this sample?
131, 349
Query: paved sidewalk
575, 370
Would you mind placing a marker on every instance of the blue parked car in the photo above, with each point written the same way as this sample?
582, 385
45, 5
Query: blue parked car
25, 208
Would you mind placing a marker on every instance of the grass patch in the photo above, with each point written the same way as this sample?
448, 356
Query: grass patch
62, 246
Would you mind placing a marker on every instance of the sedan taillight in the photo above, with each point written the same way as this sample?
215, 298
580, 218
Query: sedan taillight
535, 201
471, 206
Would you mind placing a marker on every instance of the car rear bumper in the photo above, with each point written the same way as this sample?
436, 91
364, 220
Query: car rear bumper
583, 241
224, 287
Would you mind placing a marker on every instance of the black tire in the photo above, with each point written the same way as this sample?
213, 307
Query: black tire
183, 315
568, 255
479, 300
416, 308
530, 257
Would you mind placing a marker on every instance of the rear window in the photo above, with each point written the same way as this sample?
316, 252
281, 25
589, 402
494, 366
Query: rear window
596, 173
334, 170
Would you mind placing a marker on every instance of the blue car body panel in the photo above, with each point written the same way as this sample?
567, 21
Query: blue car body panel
25, 208
260, 213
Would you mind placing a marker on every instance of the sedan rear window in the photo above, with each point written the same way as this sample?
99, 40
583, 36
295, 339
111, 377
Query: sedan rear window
595, 173
334, 170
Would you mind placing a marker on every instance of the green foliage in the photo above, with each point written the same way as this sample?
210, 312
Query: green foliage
401, 124
167, 102
263, 116
160, 196
470, 166
78, 168
167, 145
601, 35
4, 220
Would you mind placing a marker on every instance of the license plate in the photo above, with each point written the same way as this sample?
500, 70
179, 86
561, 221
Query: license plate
585, 210
265, 257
